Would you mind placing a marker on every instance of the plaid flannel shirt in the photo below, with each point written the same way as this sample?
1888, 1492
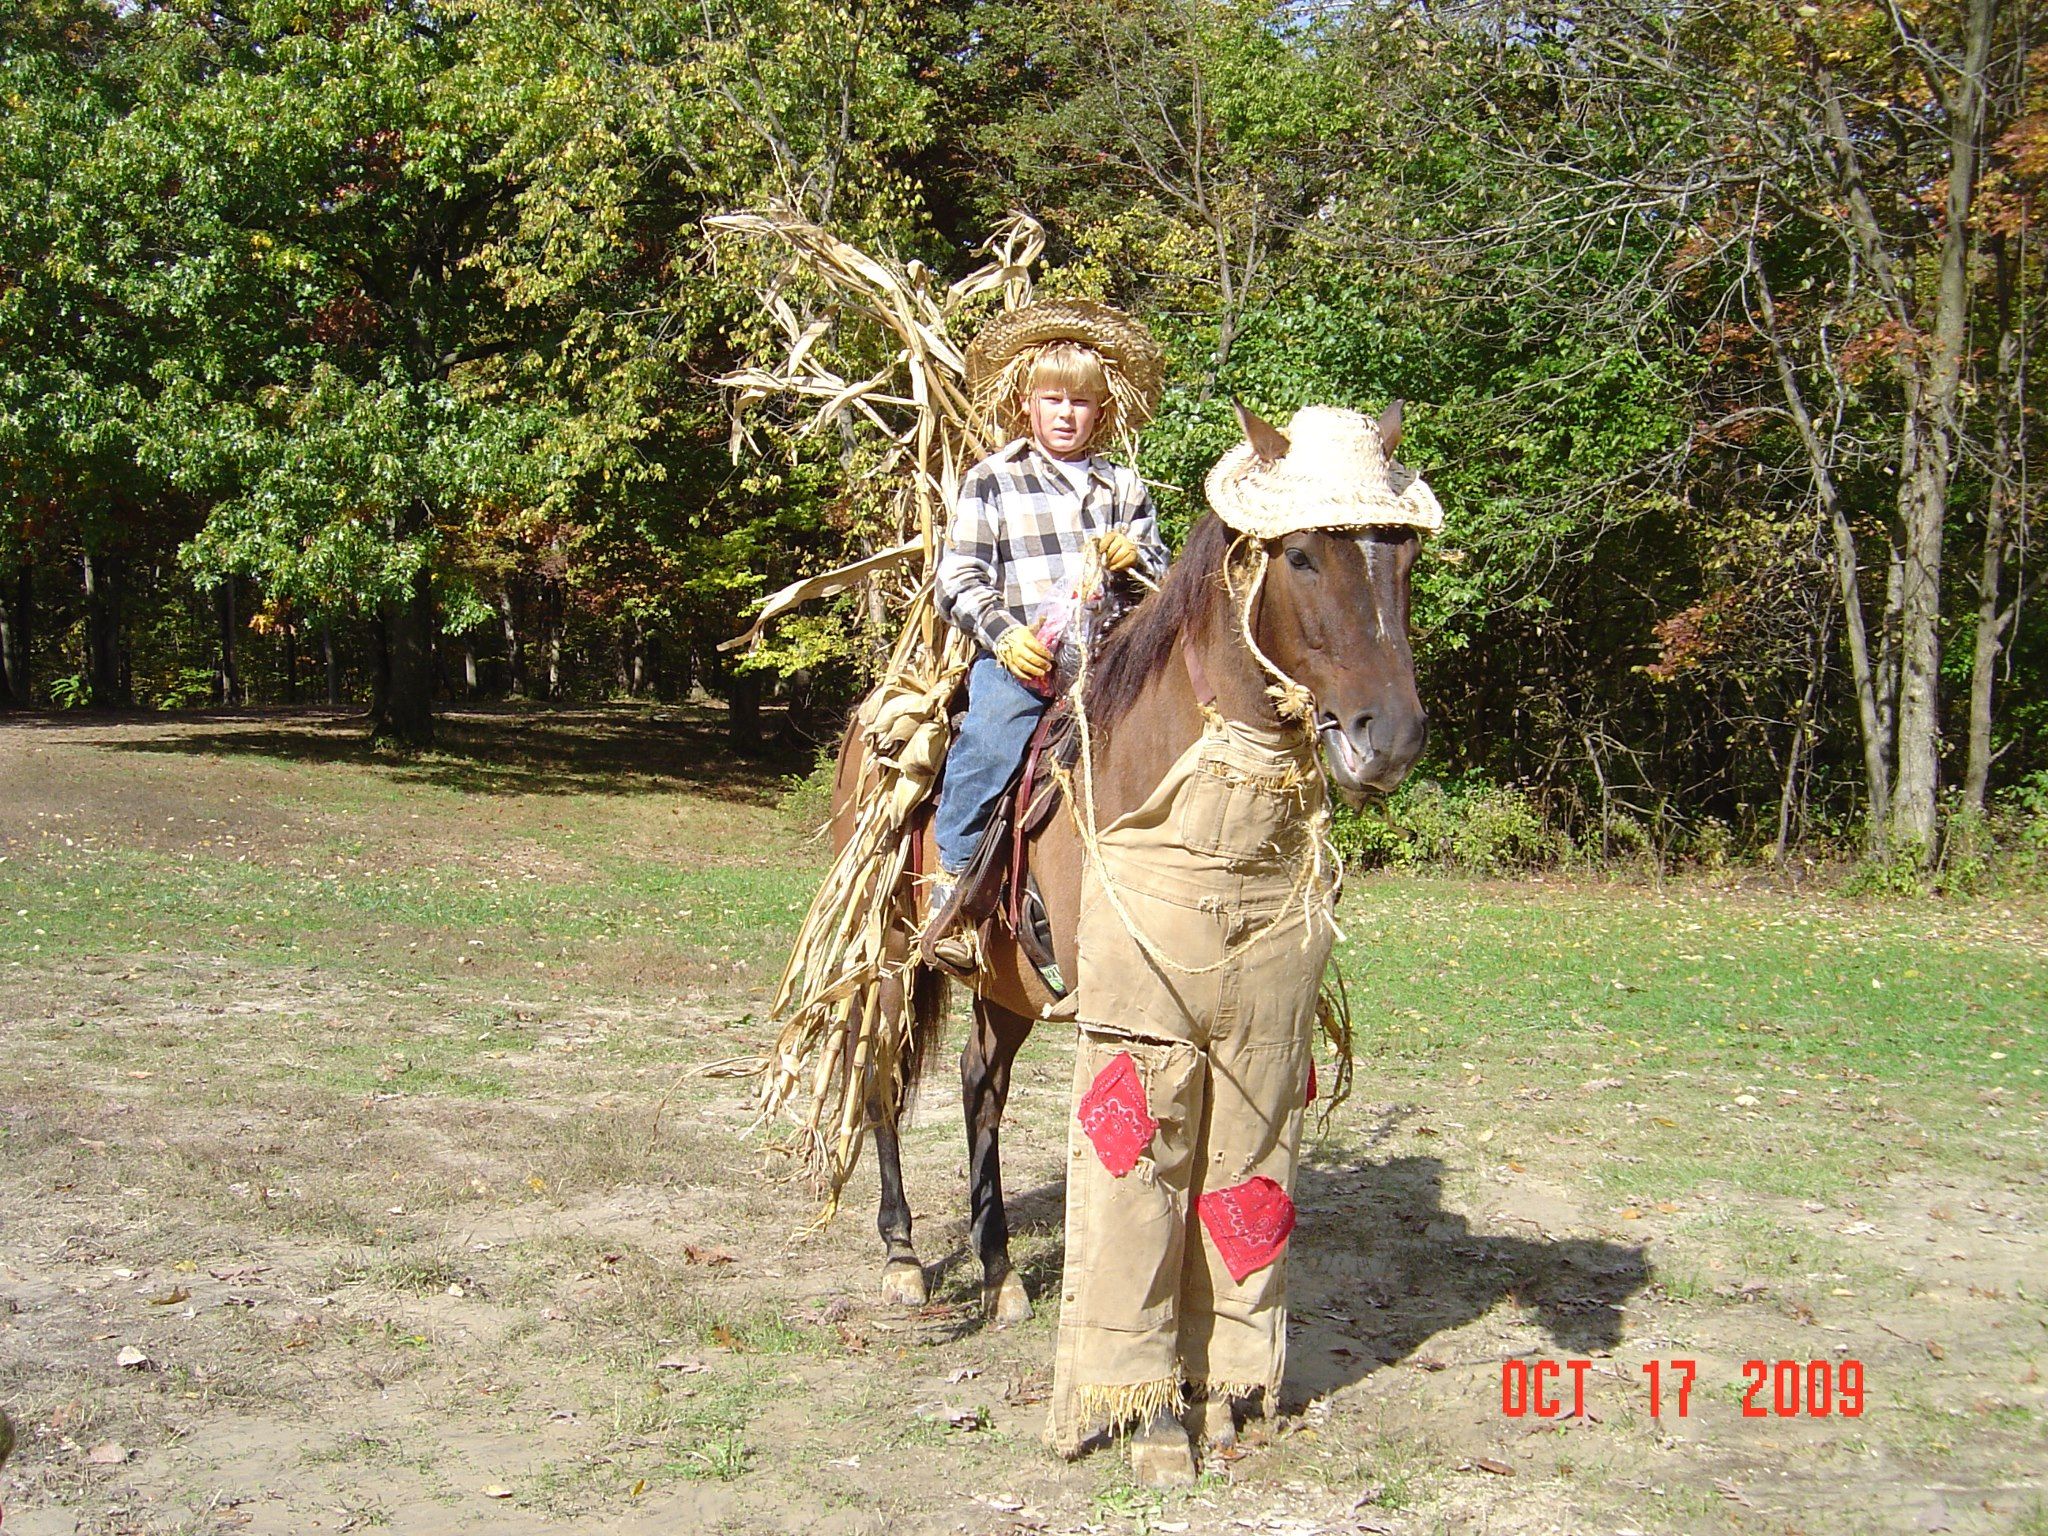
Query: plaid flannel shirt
1019, 531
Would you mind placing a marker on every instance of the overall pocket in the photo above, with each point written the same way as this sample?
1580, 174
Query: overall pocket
1242, 810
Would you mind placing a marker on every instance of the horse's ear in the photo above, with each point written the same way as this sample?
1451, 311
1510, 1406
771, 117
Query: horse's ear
1390, 428
1267, 440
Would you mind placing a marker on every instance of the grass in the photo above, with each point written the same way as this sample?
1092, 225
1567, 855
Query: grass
414, 1045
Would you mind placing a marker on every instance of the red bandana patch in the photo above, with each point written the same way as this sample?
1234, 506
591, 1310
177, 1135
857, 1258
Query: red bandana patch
1311, 1085
1248, 1222
1114, 1114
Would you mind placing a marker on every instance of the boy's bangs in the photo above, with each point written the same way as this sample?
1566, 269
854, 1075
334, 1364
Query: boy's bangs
1068, 366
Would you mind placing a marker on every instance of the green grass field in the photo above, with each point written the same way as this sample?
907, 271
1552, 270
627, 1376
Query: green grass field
361, 1095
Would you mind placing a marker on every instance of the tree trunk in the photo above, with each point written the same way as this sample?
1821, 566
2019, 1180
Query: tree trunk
743, 711
515, 651
469, 684
1863, 676
555, 622
227, 675
17, 616
105, 664
403, 713
1923, 504
1928, 460
291, 663
330, 663
1993, 617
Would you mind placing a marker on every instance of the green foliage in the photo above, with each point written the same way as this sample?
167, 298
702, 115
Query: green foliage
398, 326
1466, 825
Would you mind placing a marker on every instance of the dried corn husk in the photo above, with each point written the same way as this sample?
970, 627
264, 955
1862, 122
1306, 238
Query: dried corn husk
837, 1051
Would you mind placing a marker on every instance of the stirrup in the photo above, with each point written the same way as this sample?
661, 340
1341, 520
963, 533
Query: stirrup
944, 945
957, 953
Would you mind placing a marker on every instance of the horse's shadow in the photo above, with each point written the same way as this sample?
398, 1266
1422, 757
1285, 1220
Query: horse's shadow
1379, 1267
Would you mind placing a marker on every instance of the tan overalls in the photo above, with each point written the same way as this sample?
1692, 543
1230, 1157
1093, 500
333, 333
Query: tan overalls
1190, 1082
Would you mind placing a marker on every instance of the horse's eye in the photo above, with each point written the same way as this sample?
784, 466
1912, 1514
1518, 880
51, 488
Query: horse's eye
1300, 560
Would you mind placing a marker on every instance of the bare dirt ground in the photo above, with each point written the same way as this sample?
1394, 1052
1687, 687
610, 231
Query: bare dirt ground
354, 1173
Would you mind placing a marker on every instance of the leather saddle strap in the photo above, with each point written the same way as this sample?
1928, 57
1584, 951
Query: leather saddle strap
1020, 828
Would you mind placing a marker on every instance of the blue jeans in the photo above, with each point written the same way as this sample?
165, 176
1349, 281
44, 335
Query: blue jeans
1001, 715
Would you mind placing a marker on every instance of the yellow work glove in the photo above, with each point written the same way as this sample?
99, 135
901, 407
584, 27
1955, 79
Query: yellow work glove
1024, 654
1118, 549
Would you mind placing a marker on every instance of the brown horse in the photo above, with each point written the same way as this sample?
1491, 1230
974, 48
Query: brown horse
1332, 613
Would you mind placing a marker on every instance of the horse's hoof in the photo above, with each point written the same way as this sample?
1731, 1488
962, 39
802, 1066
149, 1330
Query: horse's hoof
1007, 1301
1160, 1454
903, 1283
1211, 1422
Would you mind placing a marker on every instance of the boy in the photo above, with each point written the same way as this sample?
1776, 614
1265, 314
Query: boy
1024, 521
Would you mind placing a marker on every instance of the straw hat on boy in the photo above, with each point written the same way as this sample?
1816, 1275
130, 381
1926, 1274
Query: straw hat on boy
999, 359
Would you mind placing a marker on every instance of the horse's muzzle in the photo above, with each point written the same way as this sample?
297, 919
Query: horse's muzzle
1371, 755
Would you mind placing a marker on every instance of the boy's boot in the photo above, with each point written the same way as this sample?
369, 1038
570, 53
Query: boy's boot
944, 944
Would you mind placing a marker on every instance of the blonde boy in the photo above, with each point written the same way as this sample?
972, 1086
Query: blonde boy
1025, 518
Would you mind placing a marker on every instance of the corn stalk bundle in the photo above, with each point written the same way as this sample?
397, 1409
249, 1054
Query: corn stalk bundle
838, 1049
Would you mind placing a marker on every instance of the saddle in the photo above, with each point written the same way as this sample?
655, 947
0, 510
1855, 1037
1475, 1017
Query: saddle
997, 882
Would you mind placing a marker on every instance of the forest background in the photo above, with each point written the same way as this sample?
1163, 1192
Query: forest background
368, 353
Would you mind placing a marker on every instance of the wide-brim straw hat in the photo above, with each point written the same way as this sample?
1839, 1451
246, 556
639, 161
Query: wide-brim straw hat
1335, 474
998, 359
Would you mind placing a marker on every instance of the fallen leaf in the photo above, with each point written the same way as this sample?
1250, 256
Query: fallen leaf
1630, 1213
1497, 1468
708, 1257
496, 1491
110, 1454
681, 1366
131, 1359
949, 1414
965, 1373
1429, 1363
852, 1338
1023, 1391
1669, 1207
171, 1298
639, 1487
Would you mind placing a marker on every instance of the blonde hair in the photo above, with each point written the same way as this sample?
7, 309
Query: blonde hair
1069, 366
1072, 366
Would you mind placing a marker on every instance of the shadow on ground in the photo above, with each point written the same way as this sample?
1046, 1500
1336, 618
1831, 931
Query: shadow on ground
488, 749
1384, 1267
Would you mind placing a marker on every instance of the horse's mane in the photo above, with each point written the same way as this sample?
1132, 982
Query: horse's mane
1145, 642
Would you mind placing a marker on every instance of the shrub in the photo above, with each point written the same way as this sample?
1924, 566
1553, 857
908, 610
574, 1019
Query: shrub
807, 798
1484, 828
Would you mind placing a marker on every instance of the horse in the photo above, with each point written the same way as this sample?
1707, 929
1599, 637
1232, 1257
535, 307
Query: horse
1332, 613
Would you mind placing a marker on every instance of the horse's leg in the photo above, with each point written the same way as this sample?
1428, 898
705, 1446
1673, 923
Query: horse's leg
985, 1062
903, 1279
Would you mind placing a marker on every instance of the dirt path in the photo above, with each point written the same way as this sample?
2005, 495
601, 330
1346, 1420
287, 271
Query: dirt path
431, 1228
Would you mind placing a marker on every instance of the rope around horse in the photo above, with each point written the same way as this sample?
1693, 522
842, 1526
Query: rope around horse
1292, 701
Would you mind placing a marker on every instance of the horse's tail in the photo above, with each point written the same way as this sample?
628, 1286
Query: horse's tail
926, 1000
